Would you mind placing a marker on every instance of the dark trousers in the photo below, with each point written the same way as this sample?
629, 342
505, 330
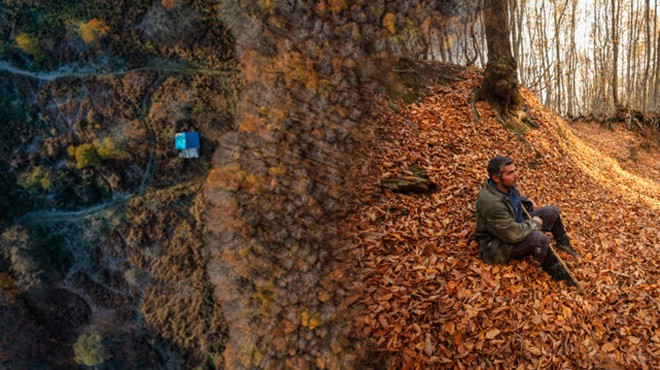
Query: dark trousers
537, 243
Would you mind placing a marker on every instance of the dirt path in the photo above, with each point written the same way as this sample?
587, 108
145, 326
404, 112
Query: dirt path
98, 71
53, 216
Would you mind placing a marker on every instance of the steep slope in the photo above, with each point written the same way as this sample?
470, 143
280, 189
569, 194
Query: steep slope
422, 298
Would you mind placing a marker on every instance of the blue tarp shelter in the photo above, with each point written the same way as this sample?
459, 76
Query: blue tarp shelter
188, 144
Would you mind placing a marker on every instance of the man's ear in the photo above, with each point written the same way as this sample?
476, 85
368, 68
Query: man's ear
495, 178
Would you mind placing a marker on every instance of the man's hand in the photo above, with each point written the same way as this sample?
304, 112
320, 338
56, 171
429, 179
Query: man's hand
538, 219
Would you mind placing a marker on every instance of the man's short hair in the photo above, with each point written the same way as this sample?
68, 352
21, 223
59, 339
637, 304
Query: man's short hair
496, 165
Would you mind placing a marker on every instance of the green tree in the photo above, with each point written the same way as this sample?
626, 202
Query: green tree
108, 149
89, 349
29, 44
92, 154
86, 155
39, 178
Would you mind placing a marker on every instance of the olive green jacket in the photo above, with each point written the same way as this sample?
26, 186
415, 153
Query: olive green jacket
497, 229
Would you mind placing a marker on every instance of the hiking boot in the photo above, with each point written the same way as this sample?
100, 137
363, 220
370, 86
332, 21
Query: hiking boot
554, 268
564, 245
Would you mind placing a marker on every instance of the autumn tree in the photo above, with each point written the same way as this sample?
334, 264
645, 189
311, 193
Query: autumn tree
93, 30
500, 85
29, 44
169, 4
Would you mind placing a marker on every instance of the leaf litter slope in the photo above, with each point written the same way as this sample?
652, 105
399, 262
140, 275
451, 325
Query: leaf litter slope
423, 298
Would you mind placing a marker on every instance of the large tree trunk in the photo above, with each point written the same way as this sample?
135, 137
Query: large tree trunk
572, 67
546, 63
557, 17
615, 51
630, 103
501, 78
654, 105
645, 79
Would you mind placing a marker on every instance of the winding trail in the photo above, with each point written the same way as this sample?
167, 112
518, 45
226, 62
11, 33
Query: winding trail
68, 71
53, 216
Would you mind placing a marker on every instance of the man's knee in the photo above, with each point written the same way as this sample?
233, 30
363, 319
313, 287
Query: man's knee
538, 238
540, 243
549, 215
554, 210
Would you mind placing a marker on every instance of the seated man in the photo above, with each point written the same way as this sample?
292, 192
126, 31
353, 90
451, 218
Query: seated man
504, 232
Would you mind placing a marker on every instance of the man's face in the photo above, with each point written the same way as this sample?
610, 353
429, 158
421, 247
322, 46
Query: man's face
509, 177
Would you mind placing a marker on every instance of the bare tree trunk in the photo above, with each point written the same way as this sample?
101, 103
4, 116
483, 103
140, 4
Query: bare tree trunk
516, 37
465, 44
629, 52
615, 52
572, 66
425, 39
441, 45
541, 26
532, 73
606, 62
476, 43
595, 106
583, 99
637, 63
655, 106
654, 90
521, 58
634, 73
648, 57
431, 51
448, 47
558, 16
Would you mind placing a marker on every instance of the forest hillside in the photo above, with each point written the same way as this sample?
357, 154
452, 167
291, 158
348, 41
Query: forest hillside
423, 297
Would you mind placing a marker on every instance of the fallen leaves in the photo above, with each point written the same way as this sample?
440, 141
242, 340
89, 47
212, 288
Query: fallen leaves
608, 347
492, 333
422, 294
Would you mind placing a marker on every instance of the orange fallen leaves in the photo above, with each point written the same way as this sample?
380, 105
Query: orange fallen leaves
422, 294
492, 333
608, 347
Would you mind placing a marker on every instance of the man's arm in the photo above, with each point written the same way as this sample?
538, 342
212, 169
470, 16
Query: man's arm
501, 224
